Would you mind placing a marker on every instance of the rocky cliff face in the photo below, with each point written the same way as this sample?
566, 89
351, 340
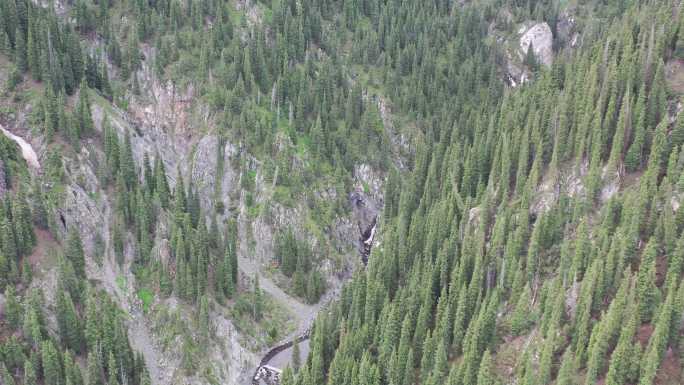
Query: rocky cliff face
541, 38
168, 121
162, 128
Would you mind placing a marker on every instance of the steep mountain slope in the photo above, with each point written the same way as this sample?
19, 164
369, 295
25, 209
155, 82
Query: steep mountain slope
187, 185
98, 145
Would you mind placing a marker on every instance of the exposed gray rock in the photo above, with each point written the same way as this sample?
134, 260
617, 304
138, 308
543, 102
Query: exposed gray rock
474, 216
541, 38
196, 157
515, 73
554, 184
59, 6
162, 251
205, 174
166, 121
547, 193
567, 30
252, 11
367, 203
401, 144
611, 185
675, 202
228, 357
371, 183
81, 209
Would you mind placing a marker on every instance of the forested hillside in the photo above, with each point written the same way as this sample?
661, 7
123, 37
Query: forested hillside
187, 185
538, 237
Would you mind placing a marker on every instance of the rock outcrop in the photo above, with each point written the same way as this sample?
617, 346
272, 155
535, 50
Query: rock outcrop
566, 29
156, 129
541, 38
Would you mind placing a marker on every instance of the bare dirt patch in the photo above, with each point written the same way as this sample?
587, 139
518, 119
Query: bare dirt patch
45, 246
669, 372
644, 334
507, 359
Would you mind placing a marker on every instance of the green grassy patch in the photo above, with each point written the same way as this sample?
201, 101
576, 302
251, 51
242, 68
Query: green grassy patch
283, 195
146, 296
267, 14
275, 324
121, 282
236, 16
254, 211
303, 145
366, 188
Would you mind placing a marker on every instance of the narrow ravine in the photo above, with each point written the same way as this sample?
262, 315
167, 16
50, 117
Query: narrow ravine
304, 313
277, 358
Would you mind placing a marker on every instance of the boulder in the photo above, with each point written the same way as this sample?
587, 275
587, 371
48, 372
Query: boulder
541, 38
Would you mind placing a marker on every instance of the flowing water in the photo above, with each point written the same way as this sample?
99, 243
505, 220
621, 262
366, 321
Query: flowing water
26, 149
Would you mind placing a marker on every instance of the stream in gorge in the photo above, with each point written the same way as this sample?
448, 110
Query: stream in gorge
280, 356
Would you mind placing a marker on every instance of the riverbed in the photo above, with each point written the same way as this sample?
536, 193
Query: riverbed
284, 358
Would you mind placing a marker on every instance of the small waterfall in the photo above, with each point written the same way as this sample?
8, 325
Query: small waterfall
367, 237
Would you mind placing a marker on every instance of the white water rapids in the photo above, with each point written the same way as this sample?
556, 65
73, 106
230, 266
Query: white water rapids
26, 149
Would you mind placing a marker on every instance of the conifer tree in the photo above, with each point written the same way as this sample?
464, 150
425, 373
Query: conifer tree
85, 120
32, 51
67, 319
659, 149
567, 370
619, 368
633, 158
296, 355
94, 369
647, 292
93, 325
72, 372
5, 375
127, 163
204, 321
257, 306
112, 369
5, 45
485, 375
20, 59
12, 308
231, 246
160, 183
624, 128
530, 58
658, 342
52, 369
74, 252
677, 134
30, 376
227, 277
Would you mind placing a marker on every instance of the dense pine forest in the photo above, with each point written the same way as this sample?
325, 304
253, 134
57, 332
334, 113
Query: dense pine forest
191, 202
511, 223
